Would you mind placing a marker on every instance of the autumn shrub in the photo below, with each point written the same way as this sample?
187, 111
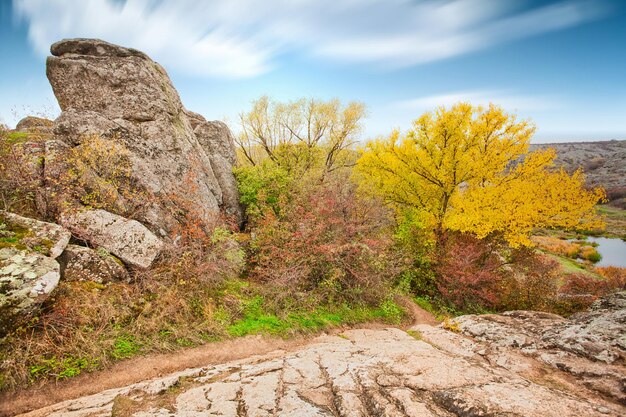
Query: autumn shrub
615, 193
532, 281
578, 292
589, 253
98, 173
21, 167
615, 277
327, 240
469, 272
557, 246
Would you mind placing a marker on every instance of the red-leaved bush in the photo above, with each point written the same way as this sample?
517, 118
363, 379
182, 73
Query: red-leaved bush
615, 277
476, 275
579, 290
469, 272
327, 239
531, 281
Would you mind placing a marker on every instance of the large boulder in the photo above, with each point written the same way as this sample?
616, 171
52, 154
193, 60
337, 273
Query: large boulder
79, 263
26, 280
127, 239
179, 159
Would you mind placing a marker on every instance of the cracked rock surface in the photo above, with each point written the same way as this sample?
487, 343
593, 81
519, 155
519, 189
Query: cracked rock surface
589, 346
361, 372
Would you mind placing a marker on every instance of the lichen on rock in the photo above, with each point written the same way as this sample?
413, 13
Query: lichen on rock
49, 239
80, 263
26, 280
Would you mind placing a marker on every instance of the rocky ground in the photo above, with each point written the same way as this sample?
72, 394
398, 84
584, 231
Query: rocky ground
601, 161
517, 364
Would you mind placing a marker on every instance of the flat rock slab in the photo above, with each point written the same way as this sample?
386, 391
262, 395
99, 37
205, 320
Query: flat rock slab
359, 373
590, 346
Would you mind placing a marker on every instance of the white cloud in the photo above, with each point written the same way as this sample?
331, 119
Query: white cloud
508, 100
401, 114
242, 38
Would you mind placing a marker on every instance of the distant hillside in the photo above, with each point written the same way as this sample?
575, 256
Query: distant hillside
604, 164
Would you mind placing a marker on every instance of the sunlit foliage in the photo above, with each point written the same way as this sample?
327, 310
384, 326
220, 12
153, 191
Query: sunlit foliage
302, 135
468, 169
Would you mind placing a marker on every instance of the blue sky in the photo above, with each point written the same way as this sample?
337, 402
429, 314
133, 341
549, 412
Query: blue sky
560, 63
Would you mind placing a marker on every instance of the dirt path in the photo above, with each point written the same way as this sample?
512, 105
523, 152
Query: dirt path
420, 316
153, 366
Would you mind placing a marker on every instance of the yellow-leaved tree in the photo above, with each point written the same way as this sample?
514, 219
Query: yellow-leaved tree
301, 135
468, 168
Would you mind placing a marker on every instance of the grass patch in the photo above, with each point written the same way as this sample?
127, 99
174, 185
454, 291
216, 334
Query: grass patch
125, 347
61, 368
570, 266
257, 320
613, 212
91, 325
615, 219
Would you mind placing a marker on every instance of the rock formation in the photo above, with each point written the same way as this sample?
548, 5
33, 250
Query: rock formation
180, 169
590, 346
31, 124
178, 157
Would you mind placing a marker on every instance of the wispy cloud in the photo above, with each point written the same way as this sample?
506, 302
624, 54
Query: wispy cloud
509, 100
247, 37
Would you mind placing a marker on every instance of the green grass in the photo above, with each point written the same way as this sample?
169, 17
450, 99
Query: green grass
257, 321
613, 212
570, 266
124, 347
61, 368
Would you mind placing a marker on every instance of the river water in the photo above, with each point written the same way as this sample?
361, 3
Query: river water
613, 251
